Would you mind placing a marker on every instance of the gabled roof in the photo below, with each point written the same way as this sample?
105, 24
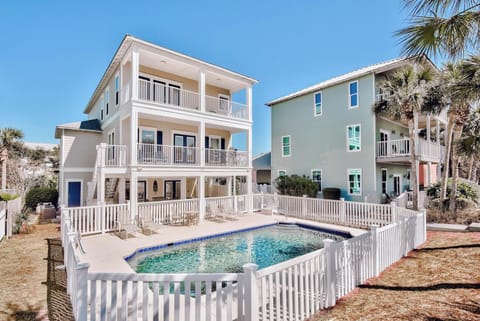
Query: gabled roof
375, 69
262, 161
129, 41
91, 125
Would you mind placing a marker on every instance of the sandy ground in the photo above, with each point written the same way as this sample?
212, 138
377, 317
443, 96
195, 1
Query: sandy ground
22, 271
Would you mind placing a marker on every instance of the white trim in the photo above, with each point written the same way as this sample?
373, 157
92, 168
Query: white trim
289, 145
165, 80
214, 137
348, 181
220, 96
67, 181
399, 183
140, 128
281, 170
359, 138
315, 104
321, 176
181, 132
77, 169
385, 131
393, 122
350, 95
386, 179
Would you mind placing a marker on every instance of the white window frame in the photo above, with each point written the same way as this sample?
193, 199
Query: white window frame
386, 179
289, 146
348, 181
220, 98
350, 96
359, 139
281, 170
167, 88
117, 89
315, 114
110, 134
399, 183
212, 137
150, 129
321, 177
107, 101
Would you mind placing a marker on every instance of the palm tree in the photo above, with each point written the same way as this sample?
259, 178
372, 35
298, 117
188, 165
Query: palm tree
441, 27
9, 141
469, 144
406, 97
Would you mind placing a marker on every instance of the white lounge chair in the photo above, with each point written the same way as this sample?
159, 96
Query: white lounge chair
129, 227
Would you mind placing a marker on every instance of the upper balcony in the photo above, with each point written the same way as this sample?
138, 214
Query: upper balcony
399, 151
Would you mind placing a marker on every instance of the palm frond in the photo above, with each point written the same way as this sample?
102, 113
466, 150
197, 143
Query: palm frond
417, 7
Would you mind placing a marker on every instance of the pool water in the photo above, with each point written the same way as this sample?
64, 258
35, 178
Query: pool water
227, 254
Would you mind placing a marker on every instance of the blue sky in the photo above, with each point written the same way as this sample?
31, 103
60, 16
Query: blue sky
53, 53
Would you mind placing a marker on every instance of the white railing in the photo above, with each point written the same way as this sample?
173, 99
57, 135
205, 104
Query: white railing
393, 148
167, 155
112, 155
167, 95
164, 212
3, 216
291, 290
222, 203
227, 107
428, 149
226, 157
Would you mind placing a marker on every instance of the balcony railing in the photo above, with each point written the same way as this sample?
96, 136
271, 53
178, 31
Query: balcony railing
393, 148
152, 154
173, 96
112, 155
227, 158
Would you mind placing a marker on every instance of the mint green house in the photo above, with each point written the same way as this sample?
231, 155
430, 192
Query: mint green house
329, 132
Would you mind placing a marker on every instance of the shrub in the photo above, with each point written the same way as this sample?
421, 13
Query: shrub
464, 191
40, 195
8, 196
296, 185
331, 193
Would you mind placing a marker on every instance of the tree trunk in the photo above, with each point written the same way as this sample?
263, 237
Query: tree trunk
470, 168
413, 160
455, 162
446, 161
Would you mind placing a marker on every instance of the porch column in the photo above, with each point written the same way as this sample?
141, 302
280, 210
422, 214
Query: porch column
229, 184
428, 136
135, 69
121, 190
235, 194
133, 193
202, 143
101, 188
249, 192
249, 102
201, 197
201, 89
249, 146
133, 136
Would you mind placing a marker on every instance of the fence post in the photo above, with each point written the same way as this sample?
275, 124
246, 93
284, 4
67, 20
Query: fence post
82, 291
330, 278
424, 222
393, 207
343, 211
251, 295
102, 215
235, 204
261, 200
375, 250
304, 206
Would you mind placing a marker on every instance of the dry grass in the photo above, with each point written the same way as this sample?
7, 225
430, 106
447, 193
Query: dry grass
440, 281
22, 271
463, 216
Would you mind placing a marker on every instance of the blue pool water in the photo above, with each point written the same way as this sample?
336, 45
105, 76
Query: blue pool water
227, 254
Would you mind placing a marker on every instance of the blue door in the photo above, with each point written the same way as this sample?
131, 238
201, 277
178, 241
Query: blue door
74, 193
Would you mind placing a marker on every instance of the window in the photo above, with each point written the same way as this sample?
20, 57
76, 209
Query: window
317, 104
282, 172
355, 181
223, 102
286, 146
317, 178
101, 114
384, 180
117, 87
353, 94
354, 141
107, 101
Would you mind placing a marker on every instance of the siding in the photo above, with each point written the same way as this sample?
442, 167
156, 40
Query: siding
79, 148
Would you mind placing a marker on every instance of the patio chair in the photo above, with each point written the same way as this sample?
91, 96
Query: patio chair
228, 213
212, 212
129, 227
150, 226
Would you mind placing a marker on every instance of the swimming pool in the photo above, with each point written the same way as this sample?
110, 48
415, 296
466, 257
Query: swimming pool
263, 246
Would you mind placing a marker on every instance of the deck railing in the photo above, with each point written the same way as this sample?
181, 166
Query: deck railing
164, 212
227, 107
152, 154
393, 148
226, 157
291, 290
112, 155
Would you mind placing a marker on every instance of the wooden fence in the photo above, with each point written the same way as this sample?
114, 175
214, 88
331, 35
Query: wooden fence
291, 290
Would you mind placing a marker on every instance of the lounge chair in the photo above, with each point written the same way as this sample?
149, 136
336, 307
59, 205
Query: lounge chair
150, 226
129, 227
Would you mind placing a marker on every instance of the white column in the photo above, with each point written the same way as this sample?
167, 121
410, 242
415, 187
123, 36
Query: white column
249, 146
428, 136
135, 70
133, 136
201, 197
439, 167
201, 89
229, 184
133, 193
121, 190
429, 174
249, 102
249, 192
202, 143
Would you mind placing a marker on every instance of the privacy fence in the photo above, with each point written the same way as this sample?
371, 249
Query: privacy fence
291, 290
9, 211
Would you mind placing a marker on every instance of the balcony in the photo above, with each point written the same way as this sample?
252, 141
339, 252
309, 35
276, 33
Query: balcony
399, 150
111, 155
226, 158
175, 97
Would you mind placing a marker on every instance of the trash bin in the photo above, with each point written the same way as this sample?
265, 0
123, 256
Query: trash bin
48, 211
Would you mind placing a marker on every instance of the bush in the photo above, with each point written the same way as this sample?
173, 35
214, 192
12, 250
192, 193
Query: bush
8, 196
41, 195
464, 191
295, 185
331, 193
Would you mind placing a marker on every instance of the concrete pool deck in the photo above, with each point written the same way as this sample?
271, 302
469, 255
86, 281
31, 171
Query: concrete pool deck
105, 252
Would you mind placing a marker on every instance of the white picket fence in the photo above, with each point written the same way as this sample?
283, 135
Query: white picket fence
3, 221
9, 211
291, 290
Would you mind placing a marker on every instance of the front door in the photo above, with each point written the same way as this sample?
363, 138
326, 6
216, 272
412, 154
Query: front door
74, 193
396, 184
184, 148
172, 190
383, 145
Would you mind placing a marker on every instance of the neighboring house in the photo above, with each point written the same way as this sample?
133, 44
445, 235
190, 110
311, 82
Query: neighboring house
38, 167
330, 133
262, 168
160, 126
